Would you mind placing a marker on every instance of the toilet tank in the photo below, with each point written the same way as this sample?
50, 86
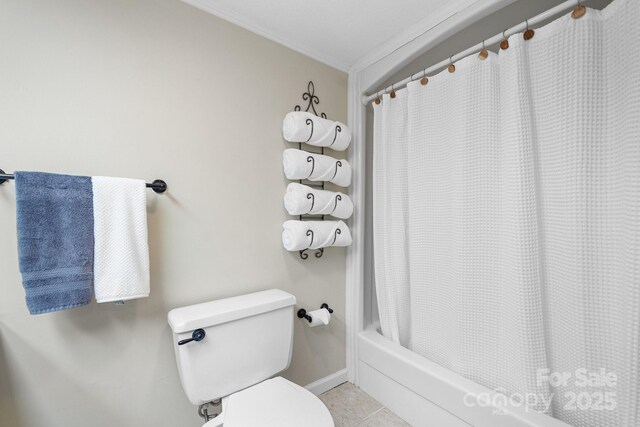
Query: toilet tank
248, 339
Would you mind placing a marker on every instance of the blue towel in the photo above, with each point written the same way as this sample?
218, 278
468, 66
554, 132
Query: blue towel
55, 240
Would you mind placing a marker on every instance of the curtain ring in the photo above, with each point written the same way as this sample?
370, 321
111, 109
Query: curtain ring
451, 68
424, 80
484, 53
377, 100
529, 33
579, 11
504, 44
393, 92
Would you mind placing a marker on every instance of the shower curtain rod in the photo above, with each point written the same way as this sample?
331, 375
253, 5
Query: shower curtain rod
159, 186
554, 11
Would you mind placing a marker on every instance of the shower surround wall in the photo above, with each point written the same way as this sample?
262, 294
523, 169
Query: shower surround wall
153, 89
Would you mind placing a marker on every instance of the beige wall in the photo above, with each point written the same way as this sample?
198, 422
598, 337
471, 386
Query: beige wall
153, 89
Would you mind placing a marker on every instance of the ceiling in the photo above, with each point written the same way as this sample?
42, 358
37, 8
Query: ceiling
337, 32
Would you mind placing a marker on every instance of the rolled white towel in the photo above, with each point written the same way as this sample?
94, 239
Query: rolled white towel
300, 126
302, 199
300, 164
300, 235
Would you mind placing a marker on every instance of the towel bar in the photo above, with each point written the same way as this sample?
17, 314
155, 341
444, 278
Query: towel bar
159, 186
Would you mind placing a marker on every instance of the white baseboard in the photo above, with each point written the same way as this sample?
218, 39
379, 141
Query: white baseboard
328, 382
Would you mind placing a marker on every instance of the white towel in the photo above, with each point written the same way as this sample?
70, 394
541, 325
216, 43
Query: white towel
300, 235
121, 254
300, 164
300, 126
302, 199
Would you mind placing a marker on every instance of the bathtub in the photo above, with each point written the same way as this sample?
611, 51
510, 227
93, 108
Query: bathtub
426, 394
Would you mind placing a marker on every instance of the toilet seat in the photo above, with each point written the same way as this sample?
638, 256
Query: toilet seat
274, 403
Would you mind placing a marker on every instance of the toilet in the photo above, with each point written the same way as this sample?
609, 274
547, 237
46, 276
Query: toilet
231, 348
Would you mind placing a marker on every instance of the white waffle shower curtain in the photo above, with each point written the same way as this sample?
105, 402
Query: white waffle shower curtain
507, 214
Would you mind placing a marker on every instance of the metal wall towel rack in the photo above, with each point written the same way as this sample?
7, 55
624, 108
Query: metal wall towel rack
159, 186
312, 100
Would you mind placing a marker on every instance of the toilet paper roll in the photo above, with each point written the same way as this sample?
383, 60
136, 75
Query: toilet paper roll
319, 317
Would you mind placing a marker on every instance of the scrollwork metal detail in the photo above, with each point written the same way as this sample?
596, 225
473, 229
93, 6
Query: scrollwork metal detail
311, 160
309, 122
312, 99
335, 205
335, 134
335, 235
338, 165
311, 197
303, 253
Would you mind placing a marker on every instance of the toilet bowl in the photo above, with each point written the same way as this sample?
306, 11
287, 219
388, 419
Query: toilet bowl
273, 403
231, 349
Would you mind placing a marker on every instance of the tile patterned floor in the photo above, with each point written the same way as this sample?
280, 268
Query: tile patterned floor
352, 407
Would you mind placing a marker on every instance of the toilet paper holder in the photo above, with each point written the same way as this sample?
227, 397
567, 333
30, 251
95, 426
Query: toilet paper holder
302, 313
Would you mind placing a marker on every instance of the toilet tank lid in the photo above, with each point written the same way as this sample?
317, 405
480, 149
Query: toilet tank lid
185, 319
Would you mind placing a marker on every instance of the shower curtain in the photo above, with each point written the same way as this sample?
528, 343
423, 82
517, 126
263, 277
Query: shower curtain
507, 216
